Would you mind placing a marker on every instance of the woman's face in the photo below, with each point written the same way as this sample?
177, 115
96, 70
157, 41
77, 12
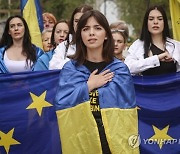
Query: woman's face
155, 22
46, 41
16, 28
119, 43
77, 16
93, 35
48, 23
61, 32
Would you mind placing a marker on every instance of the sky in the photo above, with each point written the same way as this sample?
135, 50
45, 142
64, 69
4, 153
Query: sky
111, 11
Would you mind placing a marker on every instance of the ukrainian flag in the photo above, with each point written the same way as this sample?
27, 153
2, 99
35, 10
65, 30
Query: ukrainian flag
175, 18
32, 13
77, 126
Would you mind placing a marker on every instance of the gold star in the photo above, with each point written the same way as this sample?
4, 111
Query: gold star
138, 108
161, 136
6, 140
38, 102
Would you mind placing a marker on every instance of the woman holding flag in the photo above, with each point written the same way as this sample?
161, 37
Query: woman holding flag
17, 53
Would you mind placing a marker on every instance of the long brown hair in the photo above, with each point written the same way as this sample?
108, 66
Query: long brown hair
81, 9
108, 46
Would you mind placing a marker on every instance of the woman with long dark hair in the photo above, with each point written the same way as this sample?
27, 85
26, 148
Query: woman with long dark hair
155, 53
17, 53
95, 93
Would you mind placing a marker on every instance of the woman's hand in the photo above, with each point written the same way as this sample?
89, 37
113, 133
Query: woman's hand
166, 57
98, 80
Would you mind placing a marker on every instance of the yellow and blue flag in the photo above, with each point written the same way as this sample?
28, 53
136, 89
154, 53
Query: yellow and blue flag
32, 13
28, 122
175, 18
77, 125
158, 99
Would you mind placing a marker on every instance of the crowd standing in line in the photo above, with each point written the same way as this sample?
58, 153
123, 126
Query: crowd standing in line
17, 53
155, 53
93, 68
88, 52
59, 34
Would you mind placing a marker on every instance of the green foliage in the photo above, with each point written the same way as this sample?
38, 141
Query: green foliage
7, 9
62, 9
132, 11
53, 6
13, 4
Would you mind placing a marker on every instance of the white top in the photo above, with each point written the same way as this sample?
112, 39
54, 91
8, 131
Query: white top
60, 56
16, 66
135, 58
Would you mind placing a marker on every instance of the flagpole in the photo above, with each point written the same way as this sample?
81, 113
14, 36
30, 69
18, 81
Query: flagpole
104, 7
9, 8
148, 3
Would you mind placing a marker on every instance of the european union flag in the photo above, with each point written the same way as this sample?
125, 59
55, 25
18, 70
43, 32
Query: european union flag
28, 122
158, 99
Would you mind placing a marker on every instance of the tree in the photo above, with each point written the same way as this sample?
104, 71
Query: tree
53, 6
62, 8
8, 8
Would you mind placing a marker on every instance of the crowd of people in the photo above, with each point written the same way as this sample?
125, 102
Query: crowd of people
154, 53
89, 52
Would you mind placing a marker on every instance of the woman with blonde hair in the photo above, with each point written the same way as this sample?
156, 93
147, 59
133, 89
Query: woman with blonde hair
120, 35
46, 40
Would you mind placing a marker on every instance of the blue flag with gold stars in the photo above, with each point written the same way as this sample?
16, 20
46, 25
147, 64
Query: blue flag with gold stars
158, 99
28, 123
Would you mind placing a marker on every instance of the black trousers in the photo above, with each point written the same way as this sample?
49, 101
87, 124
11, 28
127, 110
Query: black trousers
104, 143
